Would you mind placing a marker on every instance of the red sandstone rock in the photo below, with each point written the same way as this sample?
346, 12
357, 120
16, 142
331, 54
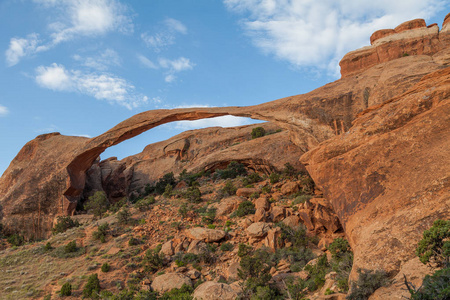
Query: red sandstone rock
412, 24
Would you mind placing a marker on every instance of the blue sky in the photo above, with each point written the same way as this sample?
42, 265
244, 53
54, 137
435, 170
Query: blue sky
79, 67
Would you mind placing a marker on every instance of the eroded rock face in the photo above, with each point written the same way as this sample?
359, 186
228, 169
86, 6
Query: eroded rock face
410, 38
385, 178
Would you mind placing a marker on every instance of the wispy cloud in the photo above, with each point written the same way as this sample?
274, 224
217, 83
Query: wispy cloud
164, 36
102, 86
3, 111
101, 62
317, 34
171, 66
72, 19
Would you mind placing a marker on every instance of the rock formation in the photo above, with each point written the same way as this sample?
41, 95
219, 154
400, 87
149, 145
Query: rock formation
375, 142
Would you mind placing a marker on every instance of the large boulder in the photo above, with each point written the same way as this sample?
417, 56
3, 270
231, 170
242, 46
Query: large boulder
169, 281
210, 290
205, 234
258, 229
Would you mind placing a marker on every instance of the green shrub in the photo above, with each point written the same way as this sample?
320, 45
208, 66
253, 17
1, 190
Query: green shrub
338, 248
106, 267
63, 223
368, 282
233, 170
161, 185
274, 178
208, 216
251, 178
153, 261
266, 189
226, 247
190, 178
258, 132
92, 287
317, 273
101, 232
193, 195
71, 247
435, 244
183, 210
297, 236
168, 191
289, 170
244, 250
97, 204
48, 247
183, 293
300, 199
124, 216
16, 239
254, 269
66, 290
145, 203
245, 208
229, 189
118, 205
133, 241
436, 286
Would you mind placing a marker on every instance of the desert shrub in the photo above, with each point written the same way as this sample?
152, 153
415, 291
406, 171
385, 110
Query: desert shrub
48, 247
208, 216
435, 244
297, 257
368, 282
153, 261
266, 189
182, 259
317, 273
229, 189
106, 267
254, 269
258, 132
118, 205
101, 232
193, 195
161, 185
307, 184
16, 239
63, 223
190, 178
244, 250
124, 216
300, 199
266, 293
245, 208
436, 286
251, 178
97, 204
71, 247
168, 191
92, 287
207, 256
338, 248
274, 178
66, 290
145, 203
297, 236
183, 293
226, 247
133, 241
183, 210
233, 170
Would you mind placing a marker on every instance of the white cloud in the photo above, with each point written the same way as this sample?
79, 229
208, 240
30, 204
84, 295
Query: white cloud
172, 66
3, 111
225, 121
147, 62
317, 34
102, 86
165, 35
100, 62
21, 47
74, 18
176, 65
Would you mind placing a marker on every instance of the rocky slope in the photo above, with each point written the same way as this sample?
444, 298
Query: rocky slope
375, 142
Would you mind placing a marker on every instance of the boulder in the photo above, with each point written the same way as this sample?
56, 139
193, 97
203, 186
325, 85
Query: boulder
196, 247
258, 230
205, 234
290, 188
232, 271
292, 221
227, 205
273, 239
277, 213
246, 192
262, 202
210, 290
169, 281
260, 215
167, 248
